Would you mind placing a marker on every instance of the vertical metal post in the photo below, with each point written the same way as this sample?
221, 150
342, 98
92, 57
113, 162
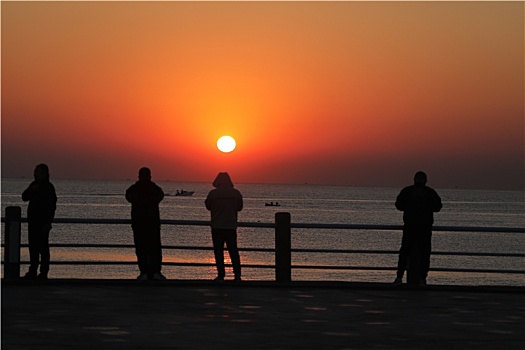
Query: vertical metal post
283, 247
12, 226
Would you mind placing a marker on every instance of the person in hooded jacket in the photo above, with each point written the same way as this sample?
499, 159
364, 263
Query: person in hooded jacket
224, 202
145, 197
418, 204
40, 214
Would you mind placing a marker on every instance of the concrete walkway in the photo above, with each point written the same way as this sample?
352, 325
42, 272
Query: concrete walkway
108, 314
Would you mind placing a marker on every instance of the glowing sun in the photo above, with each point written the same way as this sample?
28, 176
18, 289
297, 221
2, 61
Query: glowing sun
226, 144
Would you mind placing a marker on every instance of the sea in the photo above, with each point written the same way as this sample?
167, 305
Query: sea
307, 204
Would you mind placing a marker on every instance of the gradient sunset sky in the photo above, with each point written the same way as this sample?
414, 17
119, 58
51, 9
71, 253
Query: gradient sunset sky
342, 93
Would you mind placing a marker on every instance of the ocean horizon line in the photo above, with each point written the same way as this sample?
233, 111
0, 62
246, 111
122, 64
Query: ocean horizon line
458, 188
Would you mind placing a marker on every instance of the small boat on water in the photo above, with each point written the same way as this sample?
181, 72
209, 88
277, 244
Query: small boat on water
184, 193
272, 204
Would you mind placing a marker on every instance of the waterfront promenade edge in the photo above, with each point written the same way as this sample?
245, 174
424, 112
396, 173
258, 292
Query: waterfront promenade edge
178, 314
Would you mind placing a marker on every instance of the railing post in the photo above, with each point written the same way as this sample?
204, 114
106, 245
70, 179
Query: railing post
12, 227
283, 247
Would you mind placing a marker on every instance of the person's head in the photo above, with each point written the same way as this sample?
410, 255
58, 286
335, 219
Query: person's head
41, 172
420, 178
222, 180
144, 174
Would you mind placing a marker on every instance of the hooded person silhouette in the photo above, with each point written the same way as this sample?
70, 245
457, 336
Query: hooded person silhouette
224, 202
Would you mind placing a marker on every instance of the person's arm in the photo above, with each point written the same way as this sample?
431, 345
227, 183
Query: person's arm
29, 192
437, 205
208, 202
160, 195
130, 195
400, 201
52, 203
239, 202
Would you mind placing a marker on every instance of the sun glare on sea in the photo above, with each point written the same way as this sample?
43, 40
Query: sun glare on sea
226, 144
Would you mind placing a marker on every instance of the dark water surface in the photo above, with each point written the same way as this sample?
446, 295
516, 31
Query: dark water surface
307, 204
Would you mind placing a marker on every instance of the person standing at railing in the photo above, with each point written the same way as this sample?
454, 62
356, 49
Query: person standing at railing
40, 214
418, 203
224, 202
145, 197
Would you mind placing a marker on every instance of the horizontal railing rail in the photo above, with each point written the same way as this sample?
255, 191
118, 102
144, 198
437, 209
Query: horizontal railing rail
271, 250
282, 250
292, 225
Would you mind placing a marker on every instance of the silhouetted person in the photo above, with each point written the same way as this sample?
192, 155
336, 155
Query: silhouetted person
418, 203
224, 202
145, 197
40, 214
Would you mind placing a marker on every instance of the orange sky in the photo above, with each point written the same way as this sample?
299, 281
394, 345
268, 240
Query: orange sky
347, 93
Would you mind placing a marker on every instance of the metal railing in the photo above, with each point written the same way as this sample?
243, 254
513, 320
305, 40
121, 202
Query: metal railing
282, 250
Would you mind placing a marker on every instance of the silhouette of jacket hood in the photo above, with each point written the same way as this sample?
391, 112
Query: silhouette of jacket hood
222, 180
